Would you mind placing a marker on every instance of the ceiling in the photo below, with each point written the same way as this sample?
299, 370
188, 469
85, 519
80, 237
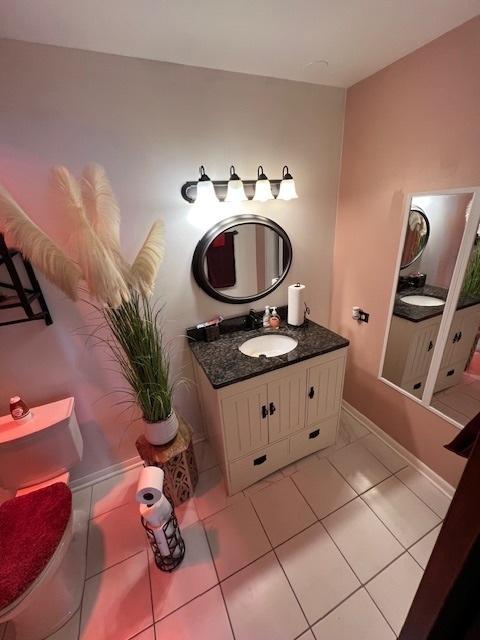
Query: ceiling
278, 38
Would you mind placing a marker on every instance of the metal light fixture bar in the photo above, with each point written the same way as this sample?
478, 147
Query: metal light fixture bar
189, 189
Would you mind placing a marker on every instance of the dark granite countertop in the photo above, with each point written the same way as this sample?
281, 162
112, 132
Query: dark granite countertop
224, 364
418, 313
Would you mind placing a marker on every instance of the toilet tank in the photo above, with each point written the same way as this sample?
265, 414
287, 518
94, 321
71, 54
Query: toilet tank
35, 450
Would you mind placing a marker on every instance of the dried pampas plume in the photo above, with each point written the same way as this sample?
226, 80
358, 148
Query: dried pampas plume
37, 247
104, 280
145, 267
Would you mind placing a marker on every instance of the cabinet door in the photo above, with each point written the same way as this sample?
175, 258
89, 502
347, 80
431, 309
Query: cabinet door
286, 406
324, 390
449, 355
468, 330
245, 419
420, 350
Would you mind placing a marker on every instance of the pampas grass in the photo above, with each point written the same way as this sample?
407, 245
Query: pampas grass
145, 267
37, 247
104, 280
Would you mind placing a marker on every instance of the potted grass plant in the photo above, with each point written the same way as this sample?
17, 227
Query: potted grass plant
121, 292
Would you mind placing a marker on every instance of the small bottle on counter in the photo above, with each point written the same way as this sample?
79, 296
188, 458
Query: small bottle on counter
274, 318
19, 409
266, 317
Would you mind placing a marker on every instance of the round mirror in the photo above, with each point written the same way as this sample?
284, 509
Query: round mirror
242, 259
416, 237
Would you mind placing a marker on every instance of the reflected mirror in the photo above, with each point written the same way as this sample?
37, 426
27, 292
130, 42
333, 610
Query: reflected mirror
242, 259
433, 240
416, 236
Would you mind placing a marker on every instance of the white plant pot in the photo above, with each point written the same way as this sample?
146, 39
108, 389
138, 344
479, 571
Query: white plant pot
161, 432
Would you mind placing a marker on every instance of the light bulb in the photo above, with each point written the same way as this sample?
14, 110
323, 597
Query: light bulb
235, 189
287, 189
205, 190
263, 189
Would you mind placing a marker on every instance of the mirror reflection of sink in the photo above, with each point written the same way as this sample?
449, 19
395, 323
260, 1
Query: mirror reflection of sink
270, 345
423, 301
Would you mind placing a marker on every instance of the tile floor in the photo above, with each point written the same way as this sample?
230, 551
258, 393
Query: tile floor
331, 547
461, 402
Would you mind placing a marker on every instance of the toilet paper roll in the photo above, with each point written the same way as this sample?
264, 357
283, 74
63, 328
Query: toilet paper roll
296, 304
156, 515
150, 485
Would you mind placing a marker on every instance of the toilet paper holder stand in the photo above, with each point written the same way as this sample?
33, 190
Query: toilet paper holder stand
174, 540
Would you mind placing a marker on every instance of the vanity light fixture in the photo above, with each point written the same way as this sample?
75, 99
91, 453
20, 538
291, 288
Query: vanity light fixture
287, 186
263, 189
205, 190
235, 189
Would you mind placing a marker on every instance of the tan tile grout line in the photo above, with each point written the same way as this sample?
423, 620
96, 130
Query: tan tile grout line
420, 497
86, 556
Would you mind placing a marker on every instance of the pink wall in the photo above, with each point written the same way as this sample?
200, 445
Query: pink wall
414, 126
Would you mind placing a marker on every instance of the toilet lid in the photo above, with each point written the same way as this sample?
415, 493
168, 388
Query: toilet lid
31, 527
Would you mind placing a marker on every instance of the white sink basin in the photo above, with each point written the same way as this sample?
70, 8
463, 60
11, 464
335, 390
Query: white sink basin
270, 345
423, 301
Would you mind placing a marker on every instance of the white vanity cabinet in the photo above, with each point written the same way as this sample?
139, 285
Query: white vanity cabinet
411, 345
266, 422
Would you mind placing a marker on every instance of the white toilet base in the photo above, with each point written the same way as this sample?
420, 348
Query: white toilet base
54, 601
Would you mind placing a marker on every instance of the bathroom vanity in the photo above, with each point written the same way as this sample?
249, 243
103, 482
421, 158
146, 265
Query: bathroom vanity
263, 413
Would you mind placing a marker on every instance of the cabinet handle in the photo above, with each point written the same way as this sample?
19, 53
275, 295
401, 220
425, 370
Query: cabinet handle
311, 393
260, 460
314, 434
272, 408
451, 372
459, 337
430, 346
264, 411
417, 385
455, 338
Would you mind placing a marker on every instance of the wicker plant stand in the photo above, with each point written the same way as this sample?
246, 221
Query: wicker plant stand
177, 459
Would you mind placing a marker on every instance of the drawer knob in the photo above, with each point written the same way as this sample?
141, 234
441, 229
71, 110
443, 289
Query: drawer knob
417, 385
314, 434
451, 372
260, 460
311, 393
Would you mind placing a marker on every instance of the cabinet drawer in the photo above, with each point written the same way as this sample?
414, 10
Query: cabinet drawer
449, 376
314, 438
252, 468
415, 386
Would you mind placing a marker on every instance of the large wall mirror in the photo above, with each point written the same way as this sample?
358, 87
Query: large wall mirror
242, 259
432, 346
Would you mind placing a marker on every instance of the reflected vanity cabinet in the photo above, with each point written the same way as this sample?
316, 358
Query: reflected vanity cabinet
266, 422
411, 345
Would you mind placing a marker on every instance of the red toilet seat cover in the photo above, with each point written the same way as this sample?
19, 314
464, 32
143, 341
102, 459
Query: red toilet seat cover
31, 527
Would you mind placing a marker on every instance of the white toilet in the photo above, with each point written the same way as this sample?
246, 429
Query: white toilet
33, 454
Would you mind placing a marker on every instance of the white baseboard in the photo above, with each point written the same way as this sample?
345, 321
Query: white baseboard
104, 474
415, 462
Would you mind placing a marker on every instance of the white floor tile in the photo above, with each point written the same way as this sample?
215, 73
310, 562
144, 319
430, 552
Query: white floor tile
211, 494
425, 490
114, 536
352, 426
323, 487
359, 467
448, 411
261, 603
116, 603
463, 403
282, 510
204, 618
195, 575
357, 618
316, 571
422, 550
186, 513
364, 541
407, 517
236, 538
69, 631
82, 500
205, 456
148, 634
115, 491
393, 590
299, 464
387, 456
264, 483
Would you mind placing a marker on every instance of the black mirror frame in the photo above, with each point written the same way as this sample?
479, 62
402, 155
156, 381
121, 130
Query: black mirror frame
222, 226
427, 223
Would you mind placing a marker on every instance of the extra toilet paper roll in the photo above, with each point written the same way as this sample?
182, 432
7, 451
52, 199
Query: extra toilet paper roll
150, 485
156, 515
296, 304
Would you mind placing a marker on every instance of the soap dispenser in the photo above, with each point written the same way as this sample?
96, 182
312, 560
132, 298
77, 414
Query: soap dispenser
266, 317
274, 318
